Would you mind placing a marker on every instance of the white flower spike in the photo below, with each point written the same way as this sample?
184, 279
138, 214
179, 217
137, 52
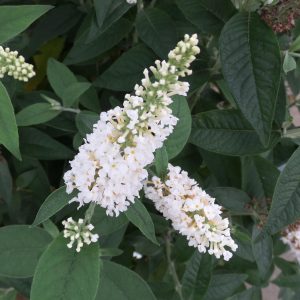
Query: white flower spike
192, 212
110, 167
14, 65
79, 232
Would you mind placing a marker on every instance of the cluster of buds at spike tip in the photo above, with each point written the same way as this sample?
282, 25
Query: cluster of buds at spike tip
79, 233
291, 237
13, 64
281, 16
192, 212
110, 167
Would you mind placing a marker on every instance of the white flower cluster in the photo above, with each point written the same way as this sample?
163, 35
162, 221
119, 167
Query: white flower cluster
131, 1
192, 212
110, 166
79, 232
14, 65
291, 237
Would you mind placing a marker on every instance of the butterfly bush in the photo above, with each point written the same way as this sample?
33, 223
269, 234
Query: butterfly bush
110, 167
291, 237
192, 212
13, 64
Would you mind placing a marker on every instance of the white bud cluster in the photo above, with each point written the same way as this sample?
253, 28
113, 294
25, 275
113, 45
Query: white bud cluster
291, 237
14, 65
110, 166
131, 1
79, 233
192, 212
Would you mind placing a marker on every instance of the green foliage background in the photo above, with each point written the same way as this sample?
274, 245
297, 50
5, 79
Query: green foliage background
231, 137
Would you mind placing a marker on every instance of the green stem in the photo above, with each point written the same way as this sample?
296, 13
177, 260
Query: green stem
140, 7
73, 110
89, 213
172, 269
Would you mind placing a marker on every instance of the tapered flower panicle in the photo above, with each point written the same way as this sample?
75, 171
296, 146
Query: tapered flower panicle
192, 212
79, 233
291, 237
14, 65
110, 166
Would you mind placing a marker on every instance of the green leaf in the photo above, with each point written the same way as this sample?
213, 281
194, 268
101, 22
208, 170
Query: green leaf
249, 294
113, 35
126, 71
179, 137
37, 144
105, 225
208, 15
251, 65
64, 274
53, 204
224, 285
157, 30
197, 275
6, 183
139, 216
232, 199
16, 18
295, 46
263, 252
74, 91
85, 121
289, 63
36, 114
8, 294
20, 249
227, 132
109, 252
118, 282
9, 136
285, 207
291, 281
161, 162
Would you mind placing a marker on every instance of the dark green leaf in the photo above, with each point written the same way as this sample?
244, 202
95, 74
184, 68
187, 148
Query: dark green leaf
251, 65
54, 203
16, 18
74, 91
161, 161
9, 136
36, 114
64, 274
20, 249
249, 294
85, 121
227, 132
118, 282
6, 184
109, 252
139, 216
291, 281
156, 29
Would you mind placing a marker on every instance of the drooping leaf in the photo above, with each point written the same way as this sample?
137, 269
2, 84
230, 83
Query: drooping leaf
16, 18
64, 274
156, 29
118, 282
227, 132
20, 249
54, 203
139, 216
9, 136
251, 65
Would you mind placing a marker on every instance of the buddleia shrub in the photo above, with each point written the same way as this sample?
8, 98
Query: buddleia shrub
149, 149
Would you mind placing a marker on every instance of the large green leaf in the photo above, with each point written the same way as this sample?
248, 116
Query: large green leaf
20, 249
118, 282
9, 136
285, 207
157, 30
179, 137
227, 132
125, 72
64, 274
196, 278
251, 65
83, 52
208, 15
139, 216
36, 114
16, 18
54, 203
37, 144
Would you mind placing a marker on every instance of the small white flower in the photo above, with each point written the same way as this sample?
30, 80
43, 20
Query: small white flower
14, 65
79, 232
192, 212
131, 1
291, 237
137, 255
